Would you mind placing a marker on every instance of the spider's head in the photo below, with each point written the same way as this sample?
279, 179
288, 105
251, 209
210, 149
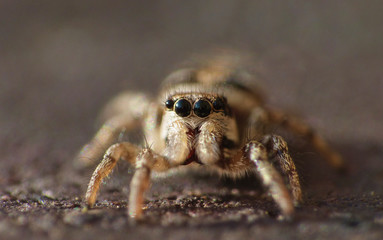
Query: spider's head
196, 126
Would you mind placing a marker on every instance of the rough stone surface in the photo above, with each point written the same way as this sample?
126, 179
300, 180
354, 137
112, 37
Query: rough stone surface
60, 61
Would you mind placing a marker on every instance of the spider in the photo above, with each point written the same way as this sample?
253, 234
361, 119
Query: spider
211, 116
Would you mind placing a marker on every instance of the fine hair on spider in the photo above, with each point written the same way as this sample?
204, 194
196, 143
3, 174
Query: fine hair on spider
210, 116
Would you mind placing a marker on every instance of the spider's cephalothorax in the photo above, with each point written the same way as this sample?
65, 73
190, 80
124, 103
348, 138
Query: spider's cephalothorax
210, 116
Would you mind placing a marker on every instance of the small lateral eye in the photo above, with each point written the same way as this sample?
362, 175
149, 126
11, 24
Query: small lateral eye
218, 104
182, 107
202, 108
169, 104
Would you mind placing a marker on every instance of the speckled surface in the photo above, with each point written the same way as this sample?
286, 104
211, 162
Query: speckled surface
60, 62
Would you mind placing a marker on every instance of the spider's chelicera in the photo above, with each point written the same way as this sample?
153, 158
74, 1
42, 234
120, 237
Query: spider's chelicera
209, 116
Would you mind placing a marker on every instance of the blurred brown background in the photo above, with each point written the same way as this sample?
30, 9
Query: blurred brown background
60, 61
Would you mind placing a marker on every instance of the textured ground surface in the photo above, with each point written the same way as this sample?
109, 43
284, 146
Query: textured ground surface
60, 62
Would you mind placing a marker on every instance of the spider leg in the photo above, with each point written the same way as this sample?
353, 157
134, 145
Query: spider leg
103, 138
147, 161
254, 157
257, 123
277, 147
122, 114
298, 126
125, 150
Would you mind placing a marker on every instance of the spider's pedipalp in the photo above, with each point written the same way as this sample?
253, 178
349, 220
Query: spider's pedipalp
177, 142
208, 147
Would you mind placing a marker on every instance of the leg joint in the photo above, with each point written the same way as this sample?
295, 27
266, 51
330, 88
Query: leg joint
275, 145
255, 151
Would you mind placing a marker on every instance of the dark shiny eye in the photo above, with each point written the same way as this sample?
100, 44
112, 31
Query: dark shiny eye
169, 104
202, 108
182, 108
218, 104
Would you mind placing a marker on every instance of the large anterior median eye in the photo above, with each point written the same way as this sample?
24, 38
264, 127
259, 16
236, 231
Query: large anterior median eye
202, 108
182, 107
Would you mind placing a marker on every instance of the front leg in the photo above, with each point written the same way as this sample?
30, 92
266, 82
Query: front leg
146, 161
125, 150
254, 157
277, 147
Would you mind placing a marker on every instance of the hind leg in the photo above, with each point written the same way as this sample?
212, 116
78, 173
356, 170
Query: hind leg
299, 127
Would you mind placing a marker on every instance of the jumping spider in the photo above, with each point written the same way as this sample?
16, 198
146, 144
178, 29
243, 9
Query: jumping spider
210, 116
